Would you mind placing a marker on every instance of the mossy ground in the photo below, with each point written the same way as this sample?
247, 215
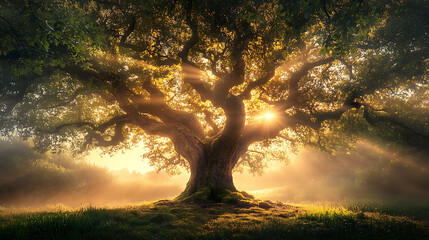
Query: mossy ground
222, 195
176, 220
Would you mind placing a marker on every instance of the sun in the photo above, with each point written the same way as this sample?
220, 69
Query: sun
268, 116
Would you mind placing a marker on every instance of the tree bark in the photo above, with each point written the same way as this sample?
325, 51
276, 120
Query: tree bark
211, 174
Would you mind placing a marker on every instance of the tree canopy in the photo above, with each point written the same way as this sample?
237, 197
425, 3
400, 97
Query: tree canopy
214, 84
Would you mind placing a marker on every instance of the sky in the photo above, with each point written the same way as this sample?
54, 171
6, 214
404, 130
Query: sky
129, 160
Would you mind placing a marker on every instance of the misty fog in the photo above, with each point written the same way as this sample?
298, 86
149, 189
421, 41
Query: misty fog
368, 172
30, 179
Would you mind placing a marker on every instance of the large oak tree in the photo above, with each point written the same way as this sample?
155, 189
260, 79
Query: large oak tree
213, 85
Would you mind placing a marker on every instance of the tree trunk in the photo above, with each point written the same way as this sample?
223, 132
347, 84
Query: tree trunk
211, 174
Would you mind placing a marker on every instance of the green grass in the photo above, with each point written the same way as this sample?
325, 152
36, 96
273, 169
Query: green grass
169, 220
417, 209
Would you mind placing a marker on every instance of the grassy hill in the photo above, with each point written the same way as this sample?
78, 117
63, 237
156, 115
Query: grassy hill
172, 220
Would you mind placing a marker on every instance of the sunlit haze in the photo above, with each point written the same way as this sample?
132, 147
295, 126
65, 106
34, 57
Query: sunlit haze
130, 160
268, 115
309, 176
125, 178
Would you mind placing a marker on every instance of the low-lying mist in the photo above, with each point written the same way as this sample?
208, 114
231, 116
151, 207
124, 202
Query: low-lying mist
30, 179
367, 172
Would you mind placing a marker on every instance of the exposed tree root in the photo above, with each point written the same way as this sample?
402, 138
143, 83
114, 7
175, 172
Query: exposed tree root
219, 195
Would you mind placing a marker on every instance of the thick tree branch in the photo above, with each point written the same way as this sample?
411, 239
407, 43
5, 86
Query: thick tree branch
293, 85
232, 105
373, 119
72, 124
114, 120
264, 130
187, 145
268, 129
101, 142
330, 115
129, 30
235, 117
236, 76
194, 33
69, 99
96, 132
157, 106
208, 118
100, 128
192, 74
133, 104
298, 75
214, 60
246, 94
